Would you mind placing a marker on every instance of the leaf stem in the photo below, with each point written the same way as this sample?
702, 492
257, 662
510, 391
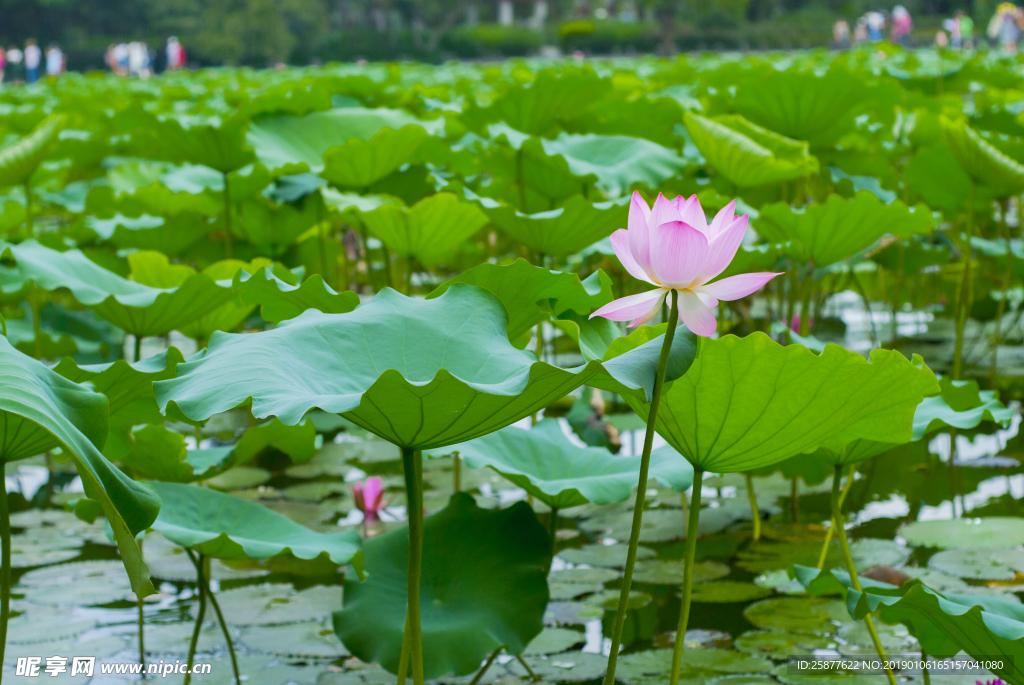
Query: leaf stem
794, 499
837, 523
204, 578
755, 512
997, 337
199, 619
228, 245
142, 625
487, 664
691, 550
5, 566
965, 291
29, 217
403, 657
457, 472
412, 465
641, 489
831, 530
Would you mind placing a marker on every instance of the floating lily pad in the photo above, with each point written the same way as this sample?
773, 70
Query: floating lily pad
308, 639
895, 639
572, 667
570, 613
979, 564
584, 575
782, 674
658, 525
174, 638
695, 662
277, 603
993, 531
797, 614
84, 583
239, 478
779, 644
866, 552
726, 591
563, 591
609, 599
42, 624
604, 555
670, 572
553, 641
314, 492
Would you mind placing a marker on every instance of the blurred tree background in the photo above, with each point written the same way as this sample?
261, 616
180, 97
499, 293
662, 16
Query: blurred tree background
265, 32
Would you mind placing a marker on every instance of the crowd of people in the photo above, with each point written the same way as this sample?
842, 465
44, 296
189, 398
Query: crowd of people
28, 64
957, 31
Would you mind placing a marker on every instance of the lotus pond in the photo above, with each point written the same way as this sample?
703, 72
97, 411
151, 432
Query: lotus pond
629, 370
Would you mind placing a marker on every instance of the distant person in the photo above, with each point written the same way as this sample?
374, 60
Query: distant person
901, 25
1005, 27
15, 58
941, 40
33, 56
138, 60
3, 64
54, 60
120, 59
841, 33
876, 25
860, 31
966, 26
956, 38
175, 54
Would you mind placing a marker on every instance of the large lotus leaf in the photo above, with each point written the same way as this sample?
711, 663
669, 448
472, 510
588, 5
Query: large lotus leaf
532, 294
524, 173
802, 104
944, 624
981, 160
1004, 532
747, 154
558, 232
272, 228
419, 374
135, 308
129, 391
431, 231
750, 402
19, 160
293, 145
483, 585
158, 453
960, 404
545, 463
43, 410
541, 106
169, 235
830, 231
214, 142
223, 526
617, 162
360, 163
300, 442
279, 300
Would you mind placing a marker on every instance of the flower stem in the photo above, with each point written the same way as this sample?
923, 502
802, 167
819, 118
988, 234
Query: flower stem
997, 336
199, 621
228, 245
204, 577
403, 658
412, 464
831, 530
837, 523
142, 624
641, 490
965, 291
691, 550
753, 507
5, 566
553, 529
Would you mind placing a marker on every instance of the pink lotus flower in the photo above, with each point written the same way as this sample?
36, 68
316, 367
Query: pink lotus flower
671, 246
369, 497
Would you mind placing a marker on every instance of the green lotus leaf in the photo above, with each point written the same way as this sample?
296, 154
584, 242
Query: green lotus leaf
532, 294
750, 402
272, 228
292, 145
358, 164
747, 154
831, 231
483, 585
562, 231
300, 442
984, 163
618, 162
545, 463
43, 410
991, 531
279, 300
943, 623
419, 374
129, 391
802, 104
214, 142
158, 453
223, 526
138, 309
20, 159
170, 235
431, 231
